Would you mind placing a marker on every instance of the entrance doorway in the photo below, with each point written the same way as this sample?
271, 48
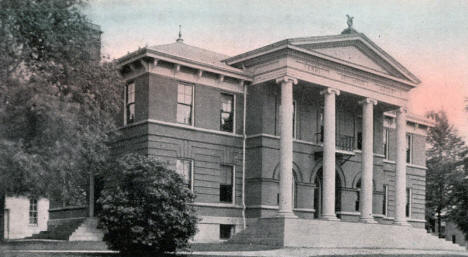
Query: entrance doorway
318, 193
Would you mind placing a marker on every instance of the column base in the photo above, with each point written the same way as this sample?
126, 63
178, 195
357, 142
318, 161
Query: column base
402, 223
368, 220
286, 214
329, 218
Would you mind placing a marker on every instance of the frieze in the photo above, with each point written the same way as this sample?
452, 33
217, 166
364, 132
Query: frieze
314, 68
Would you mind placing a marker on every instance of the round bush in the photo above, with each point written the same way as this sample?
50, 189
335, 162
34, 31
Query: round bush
144, 208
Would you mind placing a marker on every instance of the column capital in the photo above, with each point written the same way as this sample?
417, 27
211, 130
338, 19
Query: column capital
329, 91
368, 100
286, 79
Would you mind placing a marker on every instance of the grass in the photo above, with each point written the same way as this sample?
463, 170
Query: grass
10, 249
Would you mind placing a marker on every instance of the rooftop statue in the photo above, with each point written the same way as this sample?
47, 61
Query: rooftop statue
349, 21
350, 28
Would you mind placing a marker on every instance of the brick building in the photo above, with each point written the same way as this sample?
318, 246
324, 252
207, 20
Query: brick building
309, 128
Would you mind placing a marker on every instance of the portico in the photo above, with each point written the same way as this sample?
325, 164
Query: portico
338, 67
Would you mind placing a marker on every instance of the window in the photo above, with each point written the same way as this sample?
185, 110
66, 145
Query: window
226, 231
409, 145
359, 140
184, 168
184, 103
385, 201
227, 113
33, 211
294, 119
358, 196
408, 202
130, 102
385, 142
320, 125
226, 186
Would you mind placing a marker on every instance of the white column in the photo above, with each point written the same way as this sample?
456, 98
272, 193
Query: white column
367, 160
286, 146
400, 184
329, 149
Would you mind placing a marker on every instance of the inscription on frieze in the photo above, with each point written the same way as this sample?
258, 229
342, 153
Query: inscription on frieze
308, 66
353, 80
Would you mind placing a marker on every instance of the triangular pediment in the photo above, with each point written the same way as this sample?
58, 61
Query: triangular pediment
350, 49
359, 51
353, 55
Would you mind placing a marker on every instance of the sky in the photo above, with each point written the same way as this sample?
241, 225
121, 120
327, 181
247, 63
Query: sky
428, 37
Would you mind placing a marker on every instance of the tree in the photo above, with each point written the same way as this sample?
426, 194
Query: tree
458, 211
58, 101
446, 150
145, 208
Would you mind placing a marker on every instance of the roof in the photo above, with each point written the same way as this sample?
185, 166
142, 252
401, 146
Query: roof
292, 42
181, 50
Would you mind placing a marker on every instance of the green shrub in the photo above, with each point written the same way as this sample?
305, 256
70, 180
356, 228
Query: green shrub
144, 208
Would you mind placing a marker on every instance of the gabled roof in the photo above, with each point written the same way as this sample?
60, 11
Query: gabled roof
315, 46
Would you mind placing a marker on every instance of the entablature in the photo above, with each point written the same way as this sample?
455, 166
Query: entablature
145, 61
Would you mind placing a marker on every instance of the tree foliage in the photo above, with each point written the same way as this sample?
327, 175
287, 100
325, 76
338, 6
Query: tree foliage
58, 100
446, 150
145, 208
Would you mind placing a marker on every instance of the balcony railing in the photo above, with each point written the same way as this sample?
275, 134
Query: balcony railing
342, 142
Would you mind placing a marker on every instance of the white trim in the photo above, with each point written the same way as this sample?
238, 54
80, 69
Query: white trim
294, 135
220, 220
386, 199
218, 205
179, 125
416, 166
262, 206
349, 213
409, 200
311, 210
378, 216
389, 161
416, 220
410, 136
192, 173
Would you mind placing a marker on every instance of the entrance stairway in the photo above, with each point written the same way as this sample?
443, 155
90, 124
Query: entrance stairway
84, 229
295, 232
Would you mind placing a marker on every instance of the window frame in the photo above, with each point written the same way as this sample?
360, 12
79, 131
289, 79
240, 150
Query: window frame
409, 148
409, 202
33, 211
128, 104
294, 122
191, 105
191, 172
385, 201
232, 231
386, 148
233, 185
233, 112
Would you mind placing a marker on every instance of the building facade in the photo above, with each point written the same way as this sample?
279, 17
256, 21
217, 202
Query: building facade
24, 216
312, 128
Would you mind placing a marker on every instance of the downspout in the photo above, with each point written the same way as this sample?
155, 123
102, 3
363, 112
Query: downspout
244, 138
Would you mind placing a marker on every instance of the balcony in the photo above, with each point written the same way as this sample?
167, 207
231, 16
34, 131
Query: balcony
342, 142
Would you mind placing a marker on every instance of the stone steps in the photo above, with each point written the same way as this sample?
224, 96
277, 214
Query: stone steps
59, 232
286, 232
87, 231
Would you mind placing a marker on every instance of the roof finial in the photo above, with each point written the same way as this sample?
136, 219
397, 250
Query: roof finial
349, 21
180, 35
349, 29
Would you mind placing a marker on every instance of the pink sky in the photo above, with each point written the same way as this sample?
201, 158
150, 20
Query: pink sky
428, 37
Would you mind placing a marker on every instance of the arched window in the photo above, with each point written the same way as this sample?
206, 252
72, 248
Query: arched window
294, 192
